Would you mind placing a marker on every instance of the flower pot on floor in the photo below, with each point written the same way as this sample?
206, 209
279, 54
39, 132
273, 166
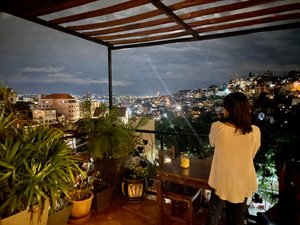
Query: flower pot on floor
81, 210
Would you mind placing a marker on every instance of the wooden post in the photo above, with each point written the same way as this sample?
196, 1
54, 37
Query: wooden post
109, 77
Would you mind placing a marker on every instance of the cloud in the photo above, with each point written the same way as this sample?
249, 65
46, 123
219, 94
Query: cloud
118, 83
62, 76
39, 76
49, 69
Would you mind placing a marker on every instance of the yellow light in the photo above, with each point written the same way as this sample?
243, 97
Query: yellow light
135, 190
185, 162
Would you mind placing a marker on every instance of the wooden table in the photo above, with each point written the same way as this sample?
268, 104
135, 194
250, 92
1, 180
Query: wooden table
195, 176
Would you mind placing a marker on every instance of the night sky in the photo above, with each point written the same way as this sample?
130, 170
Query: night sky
36, 59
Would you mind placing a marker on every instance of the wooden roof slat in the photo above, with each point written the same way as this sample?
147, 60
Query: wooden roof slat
30, 8
116, 22
212, 28
68, 31
226, 8
269, 19
174, 17
129, 27
142, 16
140, 33
191, 15
147, 39
57, 7
100, 12
247, 15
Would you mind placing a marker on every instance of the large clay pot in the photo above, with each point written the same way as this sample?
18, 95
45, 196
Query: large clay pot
81, 210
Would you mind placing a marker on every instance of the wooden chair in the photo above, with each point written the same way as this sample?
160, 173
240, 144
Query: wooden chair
182, 198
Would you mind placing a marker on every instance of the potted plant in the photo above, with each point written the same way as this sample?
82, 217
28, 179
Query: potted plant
110, 141
81, 195
138, 172
35, 165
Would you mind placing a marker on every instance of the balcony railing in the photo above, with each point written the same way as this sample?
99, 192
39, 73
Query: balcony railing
196, 144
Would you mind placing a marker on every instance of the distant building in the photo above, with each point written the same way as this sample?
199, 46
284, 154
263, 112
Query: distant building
26, 98
64, 104
94, 105
123, 113
44, 116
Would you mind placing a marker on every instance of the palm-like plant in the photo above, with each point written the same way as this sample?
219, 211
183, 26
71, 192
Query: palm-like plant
35, 164
110, 140
109, 136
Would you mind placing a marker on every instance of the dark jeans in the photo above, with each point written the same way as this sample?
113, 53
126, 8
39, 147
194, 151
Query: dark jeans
234, 211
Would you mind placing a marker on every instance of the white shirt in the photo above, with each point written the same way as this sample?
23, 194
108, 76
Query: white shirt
232, 174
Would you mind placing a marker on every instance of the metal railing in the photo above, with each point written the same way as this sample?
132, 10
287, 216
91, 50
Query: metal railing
196, 144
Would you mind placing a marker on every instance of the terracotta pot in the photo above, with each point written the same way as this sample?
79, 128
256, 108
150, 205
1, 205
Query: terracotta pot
80, 212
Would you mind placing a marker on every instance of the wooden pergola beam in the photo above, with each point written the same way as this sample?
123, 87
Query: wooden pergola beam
174, 17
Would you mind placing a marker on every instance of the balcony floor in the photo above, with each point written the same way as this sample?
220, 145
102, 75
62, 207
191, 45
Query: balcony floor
121, 212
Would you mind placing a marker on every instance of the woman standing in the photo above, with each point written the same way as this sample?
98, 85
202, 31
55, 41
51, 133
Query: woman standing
232, 176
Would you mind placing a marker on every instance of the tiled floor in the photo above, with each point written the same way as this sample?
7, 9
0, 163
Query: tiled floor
121, 212
124, 213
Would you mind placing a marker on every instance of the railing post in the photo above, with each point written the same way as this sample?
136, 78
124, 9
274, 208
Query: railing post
160, 153
109, 77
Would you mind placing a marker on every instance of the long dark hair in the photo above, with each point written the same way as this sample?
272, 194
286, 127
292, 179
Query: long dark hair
237, 106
